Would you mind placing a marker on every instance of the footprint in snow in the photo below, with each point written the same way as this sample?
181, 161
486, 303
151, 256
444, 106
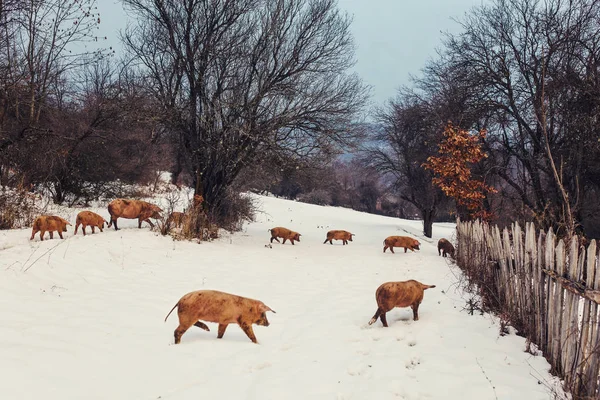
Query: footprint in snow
412, 363
358, 369
412, 343
260, 366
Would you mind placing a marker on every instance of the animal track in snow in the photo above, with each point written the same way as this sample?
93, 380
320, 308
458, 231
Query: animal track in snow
260, 366
358, 369
412, 363
412, 343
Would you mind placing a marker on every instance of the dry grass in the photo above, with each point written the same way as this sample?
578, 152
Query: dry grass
18, 208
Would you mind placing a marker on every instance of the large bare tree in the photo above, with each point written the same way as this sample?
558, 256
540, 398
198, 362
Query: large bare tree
531, 68
242, 80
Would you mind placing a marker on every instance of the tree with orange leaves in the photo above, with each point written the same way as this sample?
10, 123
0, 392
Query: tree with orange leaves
458, 151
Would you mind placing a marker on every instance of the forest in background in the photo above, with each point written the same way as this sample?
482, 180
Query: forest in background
258, 95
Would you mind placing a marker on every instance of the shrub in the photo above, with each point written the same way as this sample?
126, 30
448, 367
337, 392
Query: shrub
17, 208
319, 197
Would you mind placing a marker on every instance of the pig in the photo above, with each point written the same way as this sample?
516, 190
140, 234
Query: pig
344, 236
398, 294
445, 248
88, 218
221, 308
400, 241
49, 223
176, 219
131, 209
284, 233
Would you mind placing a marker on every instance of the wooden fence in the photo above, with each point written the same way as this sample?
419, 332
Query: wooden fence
546, 288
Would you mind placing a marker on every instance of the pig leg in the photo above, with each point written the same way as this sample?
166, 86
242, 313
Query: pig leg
292, 240
383, 319
83, 229
115, 222
33, 232
222, 328
42, 233
392, 250
180, 331
385, 248
93, 230
284, 239
248, 330
202, 325
325, 241
273, 237
51, 234
377, 314
60, 234
405, 249
76, 227
415, 308
147, 220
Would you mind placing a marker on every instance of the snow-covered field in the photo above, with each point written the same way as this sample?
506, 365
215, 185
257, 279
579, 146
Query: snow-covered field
82, 318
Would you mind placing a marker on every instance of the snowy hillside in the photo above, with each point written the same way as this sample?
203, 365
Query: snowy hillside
82, 318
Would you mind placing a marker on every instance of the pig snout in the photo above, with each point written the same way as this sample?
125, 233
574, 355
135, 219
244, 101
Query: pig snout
262, 321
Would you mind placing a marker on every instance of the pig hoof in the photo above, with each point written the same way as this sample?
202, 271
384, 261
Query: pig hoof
372, 321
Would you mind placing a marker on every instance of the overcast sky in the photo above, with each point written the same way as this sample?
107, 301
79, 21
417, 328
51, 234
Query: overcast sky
394, 37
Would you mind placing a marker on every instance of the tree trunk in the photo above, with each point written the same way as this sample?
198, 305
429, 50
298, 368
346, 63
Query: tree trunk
428, 216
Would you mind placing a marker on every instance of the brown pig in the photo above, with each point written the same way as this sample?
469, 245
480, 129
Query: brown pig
398, 294
176, 219
132, 209
284, 233
221, 308
88, 218
445, 248
400, 241
49, 223
344, 236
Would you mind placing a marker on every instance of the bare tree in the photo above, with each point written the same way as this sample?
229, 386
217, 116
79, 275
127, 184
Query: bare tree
408, 134
242, 80
531, 69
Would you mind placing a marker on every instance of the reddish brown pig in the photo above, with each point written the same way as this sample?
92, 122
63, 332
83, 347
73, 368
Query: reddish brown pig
344, 236
221, 308
132, 209
400, 241
398, 294
176, 219
88, 218
445, 248
49, 223
285, 234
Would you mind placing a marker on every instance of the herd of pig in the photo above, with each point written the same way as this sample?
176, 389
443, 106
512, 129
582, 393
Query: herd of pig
224, 308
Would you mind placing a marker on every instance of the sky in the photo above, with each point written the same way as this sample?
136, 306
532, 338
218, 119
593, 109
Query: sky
394, 38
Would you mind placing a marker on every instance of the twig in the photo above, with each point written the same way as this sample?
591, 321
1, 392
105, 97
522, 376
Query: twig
7, 268
64, 255
46, 252
488, 379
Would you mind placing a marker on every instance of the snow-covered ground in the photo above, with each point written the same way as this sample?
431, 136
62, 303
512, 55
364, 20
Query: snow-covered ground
82, 318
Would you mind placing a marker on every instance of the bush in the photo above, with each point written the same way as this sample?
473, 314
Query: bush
233, 211
17, 208
320, 197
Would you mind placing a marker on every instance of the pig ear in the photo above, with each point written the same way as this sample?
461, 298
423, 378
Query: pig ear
265, 308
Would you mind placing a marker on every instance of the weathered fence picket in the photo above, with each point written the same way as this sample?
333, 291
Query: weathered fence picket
547, 288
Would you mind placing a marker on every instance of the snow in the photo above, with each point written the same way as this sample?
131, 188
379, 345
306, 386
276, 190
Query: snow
83, 317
